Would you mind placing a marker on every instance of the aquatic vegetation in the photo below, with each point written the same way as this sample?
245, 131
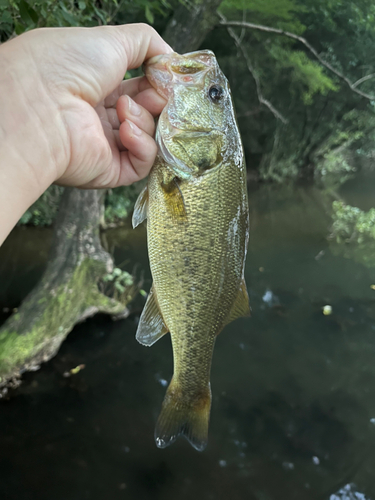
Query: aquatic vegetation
352, 224
353, 233
119, 285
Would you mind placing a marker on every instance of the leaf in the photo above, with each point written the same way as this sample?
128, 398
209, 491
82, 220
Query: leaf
119, 287
6, 17
69, 18
82, 5
149, 15
28, 14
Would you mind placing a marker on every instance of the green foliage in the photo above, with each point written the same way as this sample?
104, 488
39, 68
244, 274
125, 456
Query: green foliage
280, 12
316, 104
119, 203
17, 16
310, 75
119, 285
353, 233
352, 224
43, 211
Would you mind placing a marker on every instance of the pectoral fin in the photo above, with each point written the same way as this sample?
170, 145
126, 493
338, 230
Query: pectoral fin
140, 208
151, 326
241, 306
175, 200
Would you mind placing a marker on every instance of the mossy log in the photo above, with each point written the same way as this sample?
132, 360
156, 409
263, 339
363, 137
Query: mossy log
67, 292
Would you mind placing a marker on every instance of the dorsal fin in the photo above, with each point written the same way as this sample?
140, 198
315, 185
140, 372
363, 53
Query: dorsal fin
241, 306
140, 208
151, 326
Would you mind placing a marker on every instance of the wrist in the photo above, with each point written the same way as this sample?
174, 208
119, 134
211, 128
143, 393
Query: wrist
19, 189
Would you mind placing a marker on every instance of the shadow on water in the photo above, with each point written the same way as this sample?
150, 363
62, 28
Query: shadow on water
293, 414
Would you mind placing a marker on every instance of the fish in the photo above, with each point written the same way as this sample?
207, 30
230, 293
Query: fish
196, 207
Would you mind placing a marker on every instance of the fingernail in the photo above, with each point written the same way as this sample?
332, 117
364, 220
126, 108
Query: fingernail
134, 109
134, 128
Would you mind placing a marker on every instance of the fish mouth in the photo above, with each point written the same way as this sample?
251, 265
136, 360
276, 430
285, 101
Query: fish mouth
166, 70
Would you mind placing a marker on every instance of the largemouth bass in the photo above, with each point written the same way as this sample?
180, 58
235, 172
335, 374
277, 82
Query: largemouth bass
197, 225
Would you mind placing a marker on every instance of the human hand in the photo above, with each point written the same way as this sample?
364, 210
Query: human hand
67, 115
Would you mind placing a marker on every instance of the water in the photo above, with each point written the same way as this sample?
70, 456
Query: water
293, 413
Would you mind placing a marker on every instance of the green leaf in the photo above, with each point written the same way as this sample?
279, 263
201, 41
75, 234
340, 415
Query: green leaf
4, 4
19, 28
69, 18
149, 15
82, 5
6, 17
28, 14
119, 287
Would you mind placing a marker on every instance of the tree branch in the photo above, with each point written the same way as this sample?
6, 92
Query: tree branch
363, 79
304, 42
261, 99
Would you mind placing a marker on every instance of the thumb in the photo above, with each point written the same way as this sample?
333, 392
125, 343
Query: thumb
140, 42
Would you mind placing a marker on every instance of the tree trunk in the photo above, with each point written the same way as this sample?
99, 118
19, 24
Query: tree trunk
67, 292
190, 25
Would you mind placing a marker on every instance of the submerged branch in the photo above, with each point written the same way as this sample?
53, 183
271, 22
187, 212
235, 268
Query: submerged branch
261, 98
269, 29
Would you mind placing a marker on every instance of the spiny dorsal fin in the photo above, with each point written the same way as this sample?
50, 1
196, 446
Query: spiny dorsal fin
241, 306
151, 326
140, 208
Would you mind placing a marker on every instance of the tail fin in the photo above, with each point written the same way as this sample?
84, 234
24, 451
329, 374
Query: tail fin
180, 416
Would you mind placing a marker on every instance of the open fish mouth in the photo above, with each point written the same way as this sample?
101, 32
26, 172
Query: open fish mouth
167, 70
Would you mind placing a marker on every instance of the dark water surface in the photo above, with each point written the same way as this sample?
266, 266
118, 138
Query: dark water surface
293, 413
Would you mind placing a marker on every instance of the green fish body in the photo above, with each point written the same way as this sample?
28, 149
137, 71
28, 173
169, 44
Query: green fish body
197, 225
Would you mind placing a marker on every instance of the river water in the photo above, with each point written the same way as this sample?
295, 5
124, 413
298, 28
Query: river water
293, 413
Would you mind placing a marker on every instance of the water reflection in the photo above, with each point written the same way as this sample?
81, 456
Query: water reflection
293, 389
348, 492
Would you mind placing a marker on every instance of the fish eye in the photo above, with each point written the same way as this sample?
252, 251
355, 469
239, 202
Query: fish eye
216, 93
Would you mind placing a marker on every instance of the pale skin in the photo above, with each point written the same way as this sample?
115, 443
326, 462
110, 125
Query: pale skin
68, 117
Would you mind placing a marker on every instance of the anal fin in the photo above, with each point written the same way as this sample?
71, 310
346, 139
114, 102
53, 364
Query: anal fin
151, 326
241, 306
